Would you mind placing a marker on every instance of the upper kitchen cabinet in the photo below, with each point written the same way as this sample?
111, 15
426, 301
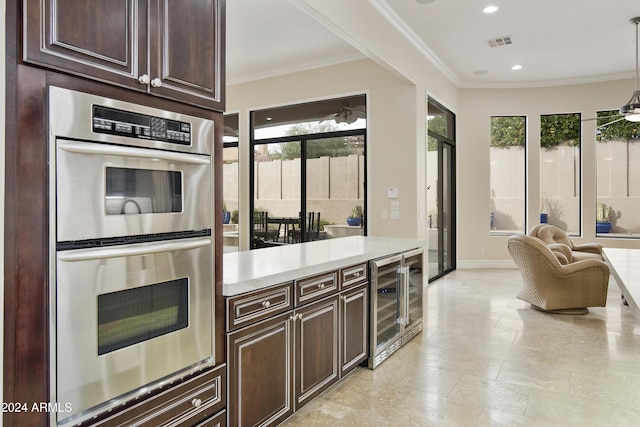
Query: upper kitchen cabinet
172, 49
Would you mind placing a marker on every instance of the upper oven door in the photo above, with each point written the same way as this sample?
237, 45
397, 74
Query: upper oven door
106, 191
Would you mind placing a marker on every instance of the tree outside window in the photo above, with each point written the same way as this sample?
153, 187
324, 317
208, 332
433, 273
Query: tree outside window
507, 160
618, 177
560, 163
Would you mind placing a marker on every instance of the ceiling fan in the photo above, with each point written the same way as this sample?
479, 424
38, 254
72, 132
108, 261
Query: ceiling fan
631, 110
347, 114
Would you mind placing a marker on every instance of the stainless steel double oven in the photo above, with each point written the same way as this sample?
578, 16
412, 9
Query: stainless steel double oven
132, 254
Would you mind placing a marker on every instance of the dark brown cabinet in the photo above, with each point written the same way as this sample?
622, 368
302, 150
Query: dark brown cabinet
316, 349
279, 360
260, 360
170, 49
198, 398
354, 304
280, 364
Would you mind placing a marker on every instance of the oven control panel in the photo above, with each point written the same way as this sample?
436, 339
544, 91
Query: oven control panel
134, 125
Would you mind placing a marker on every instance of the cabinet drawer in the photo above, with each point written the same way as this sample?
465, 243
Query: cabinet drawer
316, 287
249, 308
218, 420
195, 398
353, 275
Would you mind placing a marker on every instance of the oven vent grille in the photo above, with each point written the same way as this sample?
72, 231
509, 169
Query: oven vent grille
499, 41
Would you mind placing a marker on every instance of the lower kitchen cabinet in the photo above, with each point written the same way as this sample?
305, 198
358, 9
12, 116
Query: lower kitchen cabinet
197, 399
278, 361
354, 321
260, 360
278, 365
316, 348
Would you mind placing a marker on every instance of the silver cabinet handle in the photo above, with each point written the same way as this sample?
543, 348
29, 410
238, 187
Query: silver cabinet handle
343, 298
321, 286
156, 82
266, 304
300, 316
196, 402
293, 318
144, 79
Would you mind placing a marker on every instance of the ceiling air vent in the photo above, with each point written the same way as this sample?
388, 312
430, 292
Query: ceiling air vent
499, 41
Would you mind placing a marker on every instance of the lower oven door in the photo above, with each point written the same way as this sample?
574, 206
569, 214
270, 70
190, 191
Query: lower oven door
129, 316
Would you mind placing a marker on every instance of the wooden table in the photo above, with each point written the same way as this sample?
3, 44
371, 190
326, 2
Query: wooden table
625, 267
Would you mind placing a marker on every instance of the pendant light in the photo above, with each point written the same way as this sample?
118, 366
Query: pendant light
631, 110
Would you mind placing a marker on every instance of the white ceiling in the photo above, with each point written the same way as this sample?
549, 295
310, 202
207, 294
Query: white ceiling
555, 41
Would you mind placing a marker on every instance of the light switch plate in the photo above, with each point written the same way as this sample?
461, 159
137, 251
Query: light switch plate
392, 193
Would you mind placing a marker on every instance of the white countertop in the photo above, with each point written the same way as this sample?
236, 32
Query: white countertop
625, 265
248, 271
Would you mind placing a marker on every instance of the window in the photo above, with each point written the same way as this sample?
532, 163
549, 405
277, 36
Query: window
230, 183
618, 182
507, 160
441, 189
308, 170
560, 163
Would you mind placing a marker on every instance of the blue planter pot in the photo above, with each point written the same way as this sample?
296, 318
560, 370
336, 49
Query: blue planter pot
226, 217
543, 218
603, 227
353, 221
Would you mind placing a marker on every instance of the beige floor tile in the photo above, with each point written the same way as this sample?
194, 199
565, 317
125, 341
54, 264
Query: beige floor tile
486, 358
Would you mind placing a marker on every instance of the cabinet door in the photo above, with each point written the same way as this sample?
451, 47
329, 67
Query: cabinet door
260, 363
317, 334
354, 321
103, 40
186, 51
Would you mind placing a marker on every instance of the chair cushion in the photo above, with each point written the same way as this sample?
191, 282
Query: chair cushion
551, 234
579, 255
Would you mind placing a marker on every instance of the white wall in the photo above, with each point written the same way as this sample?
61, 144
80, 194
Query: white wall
476, 248
391, 138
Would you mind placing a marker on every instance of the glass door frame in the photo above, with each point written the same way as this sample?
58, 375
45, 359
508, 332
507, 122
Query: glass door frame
303, 140
450, 240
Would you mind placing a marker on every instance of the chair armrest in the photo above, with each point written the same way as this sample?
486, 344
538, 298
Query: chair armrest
594, 248
592, 265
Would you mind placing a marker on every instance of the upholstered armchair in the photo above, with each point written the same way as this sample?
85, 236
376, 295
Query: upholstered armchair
550, 286
550, 234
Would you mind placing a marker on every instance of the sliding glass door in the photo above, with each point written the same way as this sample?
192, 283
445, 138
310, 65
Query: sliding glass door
441, 191
308, 171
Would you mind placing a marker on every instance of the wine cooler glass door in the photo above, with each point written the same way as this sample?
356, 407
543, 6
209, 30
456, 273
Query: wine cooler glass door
386, 302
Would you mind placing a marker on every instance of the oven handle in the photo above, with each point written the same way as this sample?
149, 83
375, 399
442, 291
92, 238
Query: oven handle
126, 251
115, 150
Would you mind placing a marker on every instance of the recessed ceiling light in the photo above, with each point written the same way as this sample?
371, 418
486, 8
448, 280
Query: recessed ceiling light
490, 9
516, 67
425, 1
480, 72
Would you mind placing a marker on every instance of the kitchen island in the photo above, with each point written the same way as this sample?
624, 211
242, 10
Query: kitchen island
249, 271
297, 321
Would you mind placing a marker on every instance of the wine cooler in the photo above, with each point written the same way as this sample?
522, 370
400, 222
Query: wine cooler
396, 303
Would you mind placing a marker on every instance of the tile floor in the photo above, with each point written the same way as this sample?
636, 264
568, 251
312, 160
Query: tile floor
486, 358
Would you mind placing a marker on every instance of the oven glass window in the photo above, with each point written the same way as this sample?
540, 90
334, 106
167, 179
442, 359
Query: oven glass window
142, 191
140, 314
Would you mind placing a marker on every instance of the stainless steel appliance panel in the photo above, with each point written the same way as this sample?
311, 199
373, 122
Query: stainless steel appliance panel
95, 363
396, 303
385, 303
71, 115
106, 190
